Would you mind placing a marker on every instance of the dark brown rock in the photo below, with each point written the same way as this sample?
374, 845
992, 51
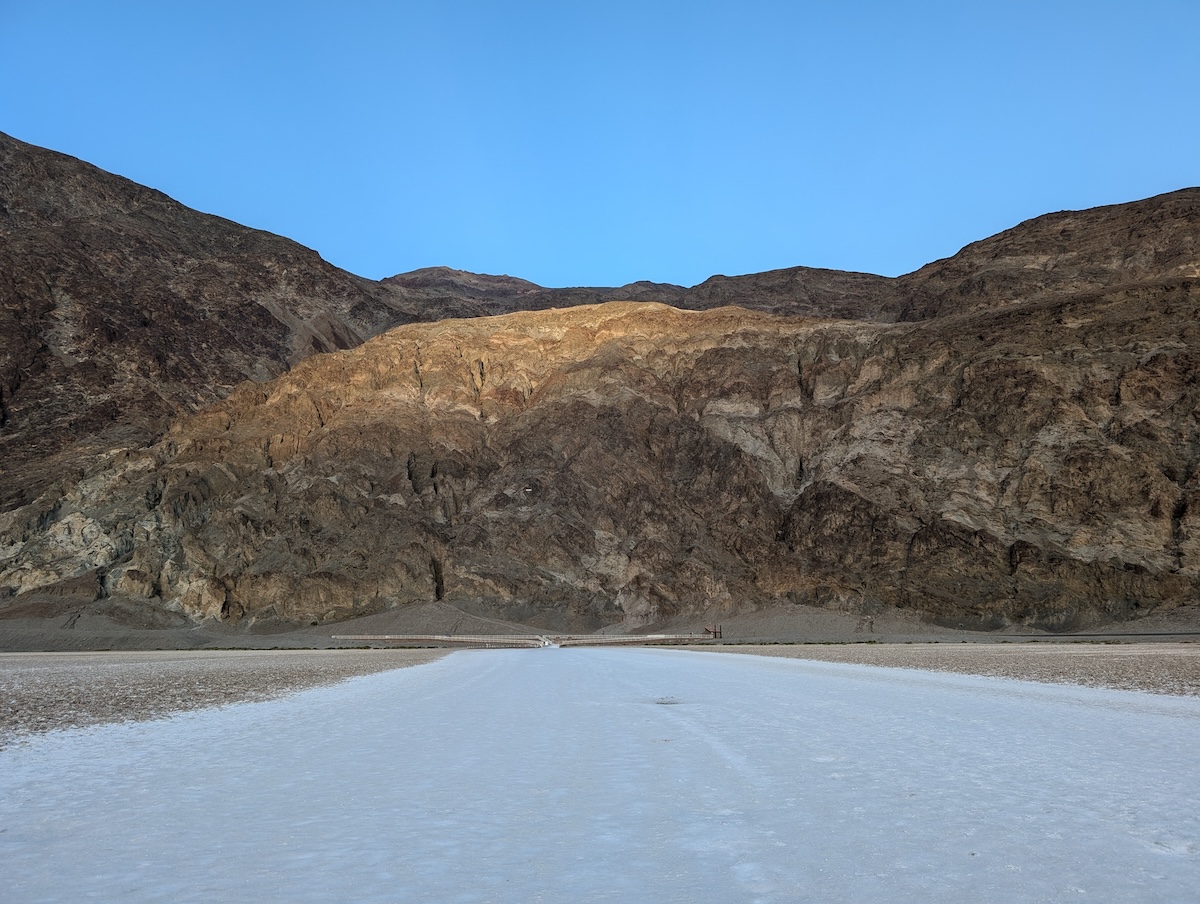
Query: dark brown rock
1011, 436
629, 464
1060, 253
120, 308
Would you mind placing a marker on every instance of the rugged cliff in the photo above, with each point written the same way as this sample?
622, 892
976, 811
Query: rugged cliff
121, 308
1009, 436
628, 463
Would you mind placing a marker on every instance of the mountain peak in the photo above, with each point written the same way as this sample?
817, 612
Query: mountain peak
200, 417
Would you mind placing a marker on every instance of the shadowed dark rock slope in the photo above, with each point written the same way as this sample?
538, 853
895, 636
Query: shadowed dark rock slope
627, 463
121, 308
1008, 436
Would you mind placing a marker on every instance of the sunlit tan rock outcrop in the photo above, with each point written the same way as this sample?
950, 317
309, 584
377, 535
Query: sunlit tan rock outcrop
1007, 436
628, 463
121, 308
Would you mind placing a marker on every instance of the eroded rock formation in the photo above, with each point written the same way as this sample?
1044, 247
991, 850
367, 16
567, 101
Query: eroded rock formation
121, 308
631, 462
1009, 436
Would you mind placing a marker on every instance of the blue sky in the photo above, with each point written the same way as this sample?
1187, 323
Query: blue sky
600, 143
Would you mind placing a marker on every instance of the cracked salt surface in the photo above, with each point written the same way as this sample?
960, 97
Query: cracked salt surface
542, 775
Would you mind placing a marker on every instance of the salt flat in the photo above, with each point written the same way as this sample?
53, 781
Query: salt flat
632, 775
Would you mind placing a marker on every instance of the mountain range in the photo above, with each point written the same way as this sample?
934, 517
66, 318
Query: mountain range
206, 422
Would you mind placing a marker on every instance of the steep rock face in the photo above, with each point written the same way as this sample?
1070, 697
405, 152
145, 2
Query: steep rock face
632, 463
119, 308
1065, 252
1032, 465
1009, 435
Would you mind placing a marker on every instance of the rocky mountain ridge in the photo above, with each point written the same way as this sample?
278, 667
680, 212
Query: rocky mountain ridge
626, 464
121, 308
1005, 437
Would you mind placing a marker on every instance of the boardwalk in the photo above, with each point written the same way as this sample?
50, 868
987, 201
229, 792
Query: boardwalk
624, 775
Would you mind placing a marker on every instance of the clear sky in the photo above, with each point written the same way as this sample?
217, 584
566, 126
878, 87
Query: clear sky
605, 142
